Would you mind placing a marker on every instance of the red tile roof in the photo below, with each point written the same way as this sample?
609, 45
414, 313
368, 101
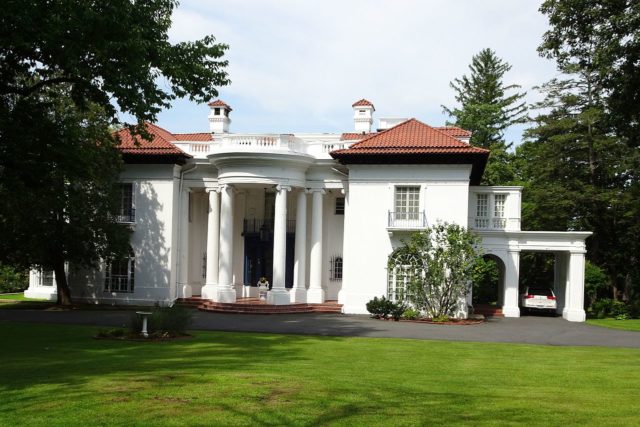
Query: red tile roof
200, 136
159, 145
413, 142
219, 103
410, 136
363, 103
353, 136
455, 131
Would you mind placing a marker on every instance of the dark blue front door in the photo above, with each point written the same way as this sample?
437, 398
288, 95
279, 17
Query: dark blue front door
258, 258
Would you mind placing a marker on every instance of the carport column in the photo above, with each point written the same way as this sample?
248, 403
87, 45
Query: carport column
184, 289
278, 294
299, 291
213, 244
226, 291
315, 294
574, 304
560, 280
511, 279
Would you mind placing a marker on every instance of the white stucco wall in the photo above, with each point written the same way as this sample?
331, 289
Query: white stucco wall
151, 240
444, 193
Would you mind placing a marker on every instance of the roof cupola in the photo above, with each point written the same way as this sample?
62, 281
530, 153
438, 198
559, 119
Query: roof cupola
219, 116
363, 115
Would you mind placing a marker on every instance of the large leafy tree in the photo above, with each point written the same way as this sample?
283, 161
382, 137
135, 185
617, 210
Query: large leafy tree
66, 69
580, 165
603, 36
117, 50
487, 107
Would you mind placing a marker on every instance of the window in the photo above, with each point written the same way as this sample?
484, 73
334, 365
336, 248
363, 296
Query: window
482, 210
498, 211
46, 277
126, 213
499, 221
216, 111
119, 275
339, 206
336, 268
407, 203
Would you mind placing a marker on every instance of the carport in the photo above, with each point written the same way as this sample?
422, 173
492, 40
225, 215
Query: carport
569, 251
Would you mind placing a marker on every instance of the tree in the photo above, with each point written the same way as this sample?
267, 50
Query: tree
102, 51
442, 260
604, 37
66, 69
579, 164
57, 186
487, 107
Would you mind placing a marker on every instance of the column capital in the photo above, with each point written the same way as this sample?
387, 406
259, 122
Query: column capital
215, 189
315, 190
281, 187
187, 189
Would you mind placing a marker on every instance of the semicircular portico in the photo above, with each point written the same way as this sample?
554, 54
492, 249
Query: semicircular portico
264, 168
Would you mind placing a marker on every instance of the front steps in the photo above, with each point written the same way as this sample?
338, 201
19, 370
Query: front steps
255, 306
488, 310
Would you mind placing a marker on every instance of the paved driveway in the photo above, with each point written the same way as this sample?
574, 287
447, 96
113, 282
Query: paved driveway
529, 329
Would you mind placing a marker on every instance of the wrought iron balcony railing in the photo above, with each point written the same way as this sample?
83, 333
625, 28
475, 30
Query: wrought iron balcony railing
126, 216
407, 220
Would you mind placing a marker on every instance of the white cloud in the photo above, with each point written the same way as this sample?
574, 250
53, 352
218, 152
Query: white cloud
298, 65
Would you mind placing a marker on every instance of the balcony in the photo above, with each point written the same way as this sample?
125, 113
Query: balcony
126, 216
264, 227
494, 223
318, 146
407, 220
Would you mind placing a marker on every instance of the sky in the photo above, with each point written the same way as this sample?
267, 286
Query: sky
297, 66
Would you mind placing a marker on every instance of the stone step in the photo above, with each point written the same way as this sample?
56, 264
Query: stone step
488, 311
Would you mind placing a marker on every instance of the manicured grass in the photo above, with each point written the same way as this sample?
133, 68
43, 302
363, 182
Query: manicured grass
59, 375
17, 297
627, 325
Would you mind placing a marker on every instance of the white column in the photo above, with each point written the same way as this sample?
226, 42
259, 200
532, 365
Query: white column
315, 294
184, 289
299, 291
278, 293
574, 303
510, 302
226, 291
210, 288
560, 280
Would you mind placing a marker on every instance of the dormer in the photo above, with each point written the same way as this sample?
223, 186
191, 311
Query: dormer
219, 116
363, 115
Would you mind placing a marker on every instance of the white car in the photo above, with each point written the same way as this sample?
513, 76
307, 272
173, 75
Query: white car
539, 298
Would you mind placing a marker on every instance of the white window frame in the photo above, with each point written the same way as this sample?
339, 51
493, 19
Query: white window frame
411, 211
114, 282
127, 215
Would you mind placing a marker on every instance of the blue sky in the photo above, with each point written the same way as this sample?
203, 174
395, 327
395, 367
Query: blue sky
297, 66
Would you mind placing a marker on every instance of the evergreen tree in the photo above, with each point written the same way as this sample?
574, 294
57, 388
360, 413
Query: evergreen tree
487, 107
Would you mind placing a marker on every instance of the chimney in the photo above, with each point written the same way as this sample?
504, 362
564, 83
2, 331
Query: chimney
363, 115
219, 116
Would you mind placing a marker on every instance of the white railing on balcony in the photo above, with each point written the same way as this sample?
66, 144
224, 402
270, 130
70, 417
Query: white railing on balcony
243, 142
494, 223
407, 220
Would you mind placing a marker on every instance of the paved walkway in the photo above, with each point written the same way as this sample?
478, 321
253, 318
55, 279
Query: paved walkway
528, 330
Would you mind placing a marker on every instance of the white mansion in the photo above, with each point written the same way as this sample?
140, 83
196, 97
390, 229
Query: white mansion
318, 215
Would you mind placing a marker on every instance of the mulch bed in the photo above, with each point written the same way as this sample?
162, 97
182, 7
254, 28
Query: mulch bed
139, 338
456, 322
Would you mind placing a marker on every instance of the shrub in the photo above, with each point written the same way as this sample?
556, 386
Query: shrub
607, 307
12, 280
381, 308
165, 320
397, 309
410, 314
441, 318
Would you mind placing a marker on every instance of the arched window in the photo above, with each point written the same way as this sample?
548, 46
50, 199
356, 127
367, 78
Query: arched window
119, 275
402, 268
336, 268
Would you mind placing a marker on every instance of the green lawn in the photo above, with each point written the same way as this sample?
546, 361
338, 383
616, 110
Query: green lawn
627, 325
17, 297
59, 375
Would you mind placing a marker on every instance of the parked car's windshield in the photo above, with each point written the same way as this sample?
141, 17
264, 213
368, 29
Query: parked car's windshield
540, 291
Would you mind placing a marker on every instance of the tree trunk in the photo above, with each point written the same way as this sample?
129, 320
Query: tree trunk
64, 294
